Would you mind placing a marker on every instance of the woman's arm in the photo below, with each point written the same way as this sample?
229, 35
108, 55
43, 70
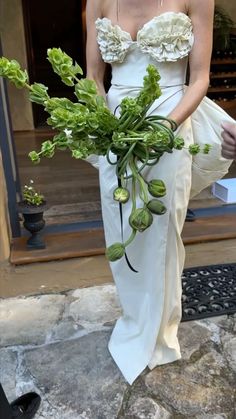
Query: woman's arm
95, 64
201, 13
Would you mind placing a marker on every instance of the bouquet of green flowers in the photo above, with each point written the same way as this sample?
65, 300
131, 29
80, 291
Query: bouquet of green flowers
88, 127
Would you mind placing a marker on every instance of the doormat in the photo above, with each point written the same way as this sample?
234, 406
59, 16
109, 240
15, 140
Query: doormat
208, 291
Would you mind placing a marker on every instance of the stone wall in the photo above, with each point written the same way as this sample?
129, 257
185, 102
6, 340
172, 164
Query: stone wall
4, 222
13, 44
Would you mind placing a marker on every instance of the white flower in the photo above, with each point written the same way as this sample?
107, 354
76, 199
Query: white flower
31, 181
68, 133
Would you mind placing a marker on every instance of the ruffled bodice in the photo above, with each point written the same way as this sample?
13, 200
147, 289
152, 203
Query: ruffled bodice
167, 37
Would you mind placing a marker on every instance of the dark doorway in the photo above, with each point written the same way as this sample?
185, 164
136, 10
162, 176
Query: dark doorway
53, 23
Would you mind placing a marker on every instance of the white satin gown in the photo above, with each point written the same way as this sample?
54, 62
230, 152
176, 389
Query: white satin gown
146, 334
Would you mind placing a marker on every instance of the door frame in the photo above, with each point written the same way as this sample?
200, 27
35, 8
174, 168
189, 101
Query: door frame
10, 168
30, 49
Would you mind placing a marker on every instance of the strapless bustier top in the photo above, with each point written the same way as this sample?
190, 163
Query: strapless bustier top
167, 37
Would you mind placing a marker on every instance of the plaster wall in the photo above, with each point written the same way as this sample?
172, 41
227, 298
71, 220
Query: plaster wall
4, 222
13, 44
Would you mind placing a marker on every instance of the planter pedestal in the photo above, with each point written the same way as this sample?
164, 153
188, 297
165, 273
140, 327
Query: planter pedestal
34, 223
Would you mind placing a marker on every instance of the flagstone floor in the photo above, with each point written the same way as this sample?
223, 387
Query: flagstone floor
56, 344
55, 323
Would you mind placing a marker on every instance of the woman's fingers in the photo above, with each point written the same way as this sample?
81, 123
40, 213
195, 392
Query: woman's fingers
230, 128
229, 142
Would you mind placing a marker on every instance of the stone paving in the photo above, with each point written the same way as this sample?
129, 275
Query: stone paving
56, 344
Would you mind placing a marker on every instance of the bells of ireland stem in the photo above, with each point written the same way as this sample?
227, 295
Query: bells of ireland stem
115, 251
140, 219
157, 188
156, 207
121, 195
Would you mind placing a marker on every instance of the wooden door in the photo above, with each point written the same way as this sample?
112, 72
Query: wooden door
53, 23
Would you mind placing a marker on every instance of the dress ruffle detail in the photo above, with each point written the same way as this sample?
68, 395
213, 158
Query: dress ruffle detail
167, 37
113, 42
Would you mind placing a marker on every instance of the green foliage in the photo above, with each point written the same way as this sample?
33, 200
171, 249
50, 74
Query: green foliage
223, 25
62, 65
151, 89
31, 196
12, 71
38, 93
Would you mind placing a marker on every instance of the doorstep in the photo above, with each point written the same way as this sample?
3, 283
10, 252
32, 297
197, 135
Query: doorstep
209, 226
59, 246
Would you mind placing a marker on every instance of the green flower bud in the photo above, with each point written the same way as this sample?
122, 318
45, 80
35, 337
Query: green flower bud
115, 251
38, 93
12, 71
194, 149
33, 155
48, 149
121, 195
178, 143
4, 66
206, 148
140, 219
156, 187
77, 154
156, 206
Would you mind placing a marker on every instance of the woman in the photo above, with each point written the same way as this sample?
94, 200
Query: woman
129, 35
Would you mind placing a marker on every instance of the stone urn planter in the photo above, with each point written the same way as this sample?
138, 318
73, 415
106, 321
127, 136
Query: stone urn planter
33, 222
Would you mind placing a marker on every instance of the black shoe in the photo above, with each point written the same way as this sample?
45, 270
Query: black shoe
190, 216
26, 406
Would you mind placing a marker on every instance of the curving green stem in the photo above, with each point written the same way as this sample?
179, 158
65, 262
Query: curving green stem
133, 197
128, 120
123, 162
172, 123
136, 175
108, 156
133, 194
131, 238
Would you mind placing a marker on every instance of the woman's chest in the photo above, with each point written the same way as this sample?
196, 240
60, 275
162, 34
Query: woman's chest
166, 37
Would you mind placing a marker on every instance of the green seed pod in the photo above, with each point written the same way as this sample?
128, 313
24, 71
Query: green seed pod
121, 195
156, 206
140, 219
156, 187
115, 251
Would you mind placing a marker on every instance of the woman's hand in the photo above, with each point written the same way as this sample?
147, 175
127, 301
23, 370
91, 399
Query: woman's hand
229, 140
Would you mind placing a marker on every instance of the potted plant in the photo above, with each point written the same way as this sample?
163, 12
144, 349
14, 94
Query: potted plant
32, 208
